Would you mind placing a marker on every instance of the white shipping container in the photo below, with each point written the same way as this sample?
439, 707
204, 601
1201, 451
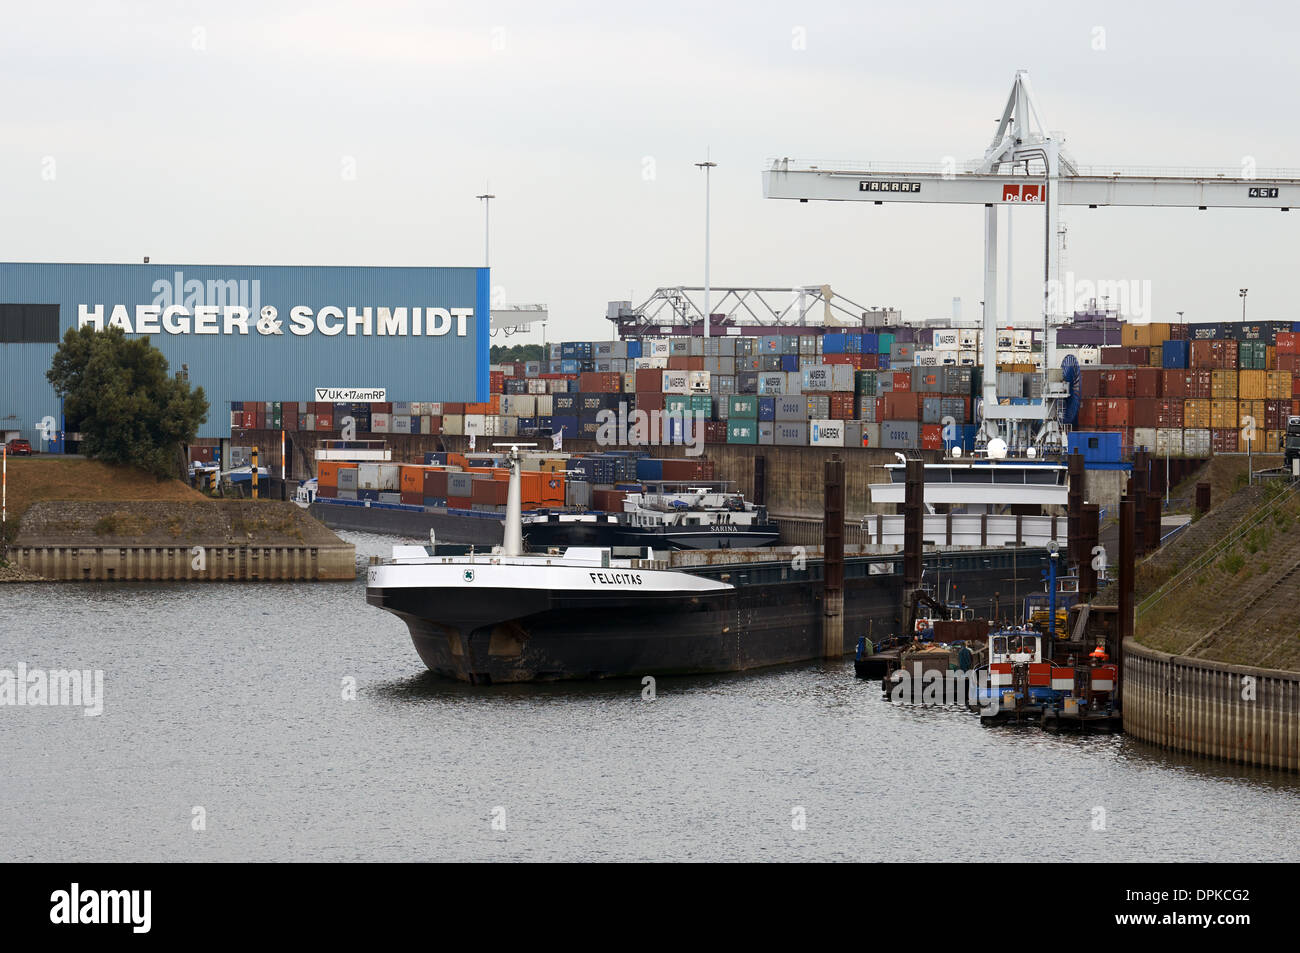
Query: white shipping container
793, 382
545, 405
378, 476
650, 363
825, 433
656, 347
498, 425
475, 424
1169, 442
870, 435
968, 358
1022, 340
518, 405
1089, 355
381, 423
1145, 437
676, 382
453, 424
926, 359
698, 381
946, 340
968, 340
842, 377
1196, 443
401, 423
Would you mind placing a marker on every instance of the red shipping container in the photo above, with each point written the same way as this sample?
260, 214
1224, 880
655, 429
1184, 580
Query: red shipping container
1088, 413
842, 406
931, 437
680, 470
324, 421
715, 431
902, 381
650, 379
900, 405
435, 483
600, 382
1117, 383
1117, 412
1287, 361
1144, 412
1169, 412
489, 492
328, 492
870, 362
652, 400
1275, 414
1090, 382
1288, 342
1224, 441
1200, 384
1146, 382
412, 498
1174, 384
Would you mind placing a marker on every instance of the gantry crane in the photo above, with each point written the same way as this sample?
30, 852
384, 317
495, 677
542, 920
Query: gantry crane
1026, 164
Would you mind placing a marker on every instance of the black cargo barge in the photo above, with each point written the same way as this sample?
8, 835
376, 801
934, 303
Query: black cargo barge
671, 618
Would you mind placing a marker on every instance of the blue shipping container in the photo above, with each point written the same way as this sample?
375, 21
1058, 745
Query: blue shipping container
767, 408
1176, 354
790, 362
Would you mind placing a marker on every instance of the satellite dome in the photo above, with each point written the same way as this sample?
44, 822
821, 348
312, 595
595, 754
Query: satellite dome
997, 449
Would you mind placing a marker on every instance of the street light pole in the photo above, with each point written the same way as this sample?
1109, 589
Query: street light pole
1242, 293
707, 166
487, 227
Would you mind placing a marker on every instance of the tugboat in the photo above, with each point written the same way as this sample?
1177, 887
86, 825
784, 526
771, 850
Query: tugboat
666, 516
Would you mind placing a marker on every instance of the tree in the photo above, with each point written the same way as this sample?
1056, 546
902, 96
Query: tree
130, 409
501, 353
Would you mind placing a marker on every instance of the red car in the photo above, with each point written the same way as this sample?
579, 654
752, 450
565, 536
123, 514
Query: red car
19, 448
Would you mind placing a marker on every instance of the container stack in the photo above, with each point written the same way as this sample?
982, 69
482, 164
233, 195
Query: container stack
1195, 389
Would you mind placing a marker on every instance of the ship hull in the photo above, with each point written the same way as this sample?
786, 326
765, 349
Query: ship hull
763, 615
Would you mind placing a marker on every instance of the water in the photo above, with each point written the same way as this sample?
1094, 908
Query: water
229, 698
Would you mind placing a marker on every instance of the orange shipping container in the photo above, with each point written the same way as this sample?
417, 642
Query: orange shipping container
412, 478
1196, 414
1279, 385
1251, 385
1223, 414
1223, 383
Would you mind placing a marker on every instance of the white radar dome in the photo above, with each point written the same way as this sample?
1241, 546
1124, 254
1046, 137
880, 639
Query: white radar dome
997, 449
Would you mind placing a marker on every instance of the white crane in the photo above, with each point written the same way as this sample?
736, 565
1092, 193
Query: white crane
1026, 164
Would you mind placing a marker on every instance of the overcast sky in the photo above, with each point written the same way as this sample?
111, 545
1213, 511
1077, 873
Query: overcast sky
351, 133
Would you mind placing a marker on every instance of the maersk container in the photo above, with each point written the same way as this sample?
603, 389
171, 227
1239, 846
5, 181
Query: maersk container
789, 433
379, 476
818, 379
900, 434
676, 382
771, 384
826, 433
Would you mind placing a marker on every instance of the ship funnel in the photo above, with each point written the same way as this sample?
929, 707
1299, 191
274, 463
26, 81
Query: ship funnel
512, 543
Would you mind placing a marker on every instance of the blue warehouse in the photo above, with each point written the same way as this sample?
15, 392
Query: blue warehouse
246, 332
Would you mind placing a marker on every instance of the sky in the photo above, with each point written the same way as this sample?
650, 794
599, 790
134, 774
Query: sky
350, 133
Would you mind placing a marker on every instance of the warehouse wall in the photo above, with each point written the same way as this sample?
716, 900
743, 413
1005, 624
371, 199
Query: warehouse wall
263, 364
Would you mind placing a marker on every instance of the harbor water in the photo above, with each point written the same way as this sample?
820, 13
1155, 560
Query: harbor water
229, 732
